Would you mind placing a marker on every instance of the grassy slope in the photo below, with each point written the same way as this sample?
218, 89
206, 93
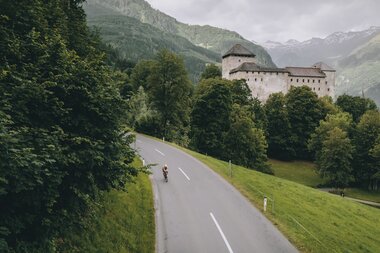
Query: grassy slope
123, 223
297, 171
304, 173
334, 224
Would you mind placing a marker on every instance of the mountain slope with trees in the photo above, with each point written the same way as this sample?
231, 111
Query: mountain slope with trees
136, 41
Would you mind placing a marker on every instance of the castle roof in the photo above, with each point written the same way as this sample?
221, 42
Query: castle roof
305, 72
238, 50
323, 66
251, 67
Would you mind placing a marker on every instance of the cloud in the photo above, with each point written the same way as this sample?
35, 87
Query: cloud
262, 20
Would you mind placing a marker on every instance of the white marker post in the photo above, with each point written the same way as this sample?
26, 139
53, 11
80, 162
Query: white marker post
265, 204
143, 162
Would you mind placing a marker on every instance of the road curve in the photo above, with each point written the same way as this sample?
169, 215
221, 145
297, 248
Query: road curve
198, 211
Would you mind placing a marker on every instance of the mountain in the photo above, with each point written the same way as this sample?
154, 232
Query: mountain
211, 38
360, 71
135, 40
329, 50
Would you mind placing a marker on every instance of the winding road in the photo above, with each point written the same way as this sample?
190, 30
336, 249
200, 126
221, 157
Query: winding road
198, 211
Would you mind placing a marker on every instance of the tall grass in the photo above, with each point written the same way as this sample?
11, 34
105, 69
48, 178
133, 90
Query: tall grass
122, 222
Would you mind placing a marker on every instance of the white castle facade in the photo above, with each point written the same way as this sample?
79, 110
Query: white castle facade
240, 63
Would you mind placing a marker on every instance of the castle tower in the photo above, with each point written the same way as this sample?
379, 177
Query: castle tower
235, 57
330, 78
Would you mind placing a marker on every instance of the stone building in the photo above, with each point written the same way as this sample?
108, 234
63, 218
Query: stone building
240, 63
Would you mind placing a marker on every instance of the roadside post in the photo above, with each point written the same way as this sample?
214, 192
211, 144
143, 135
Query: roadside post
265, 203
230, 167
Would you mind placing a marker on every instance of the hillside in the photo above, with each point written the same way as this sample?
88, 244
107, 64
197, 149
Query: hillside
136, 40
360, 70
215, 39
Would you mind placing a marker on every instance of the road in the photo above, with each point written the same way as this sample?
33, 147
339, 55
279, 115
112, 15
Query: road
198, 211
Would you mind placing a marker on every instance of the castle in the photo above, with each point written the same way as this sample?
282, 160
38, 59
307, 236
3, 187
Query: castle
240, 63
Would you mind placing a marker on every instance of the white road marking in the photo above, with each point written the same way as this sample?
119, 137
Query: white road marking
221, 233
159, 152
184, 174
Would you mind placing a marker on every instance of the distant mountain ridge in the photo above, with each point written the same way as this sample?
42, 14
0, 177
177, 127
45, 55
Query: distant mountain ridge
212, 38
331, 49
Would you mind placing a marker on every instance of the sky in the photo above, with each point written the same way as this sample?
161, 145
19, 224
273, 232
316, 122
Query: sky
276, 20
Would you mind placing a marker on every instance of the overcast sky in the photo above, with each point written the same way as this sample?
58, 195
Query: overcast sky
277, 20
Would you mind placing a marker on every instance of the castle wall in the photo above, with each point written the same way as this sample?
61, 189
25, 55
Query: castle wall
262, 84
321, 86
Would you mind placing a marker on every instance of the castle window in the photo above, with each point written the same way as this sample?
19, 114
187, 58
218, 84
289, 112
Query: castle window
326, 82
247, 72
313, 81
308, 80
319, 81
297, 80
276, 73
319, 88
314, 88
258, 72
261, 79
291, 80
255, 79
239, 60
303, 80
328, 89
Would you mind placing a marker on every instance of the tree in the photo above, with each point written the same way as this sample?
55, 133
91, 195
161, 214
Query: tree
61, 123
211, 71
334, 163
341, 120
210, 116
279, 130
356, 106
366, 134
170, 91
141, 73
375, 153
245, 144
305, 111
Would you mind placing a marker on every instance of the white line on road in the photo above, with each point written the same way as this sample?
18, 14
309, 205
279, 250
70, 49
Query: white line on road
221, 233
184, 174
159, 152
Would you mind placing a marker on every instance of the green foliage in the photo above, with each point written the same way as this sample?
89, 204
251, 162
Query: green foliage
334, 161
341, 120
305, 111
222, 124
356, 106
61, 134
244, 143
211, 71
121, 222
170, 92
279, 129
366, 134
210, 116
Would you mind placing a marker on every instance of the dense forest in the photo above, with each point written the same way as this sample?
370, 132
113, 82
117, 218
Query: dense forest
67, 106
62, 132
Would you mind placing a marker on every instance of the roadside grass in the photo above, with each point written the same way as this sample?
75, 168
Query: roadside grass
123, 222
314, 221
297, 171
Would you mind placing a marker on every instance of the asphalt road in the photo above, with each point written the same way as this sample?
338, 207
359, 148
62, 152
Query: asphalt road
198, 211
